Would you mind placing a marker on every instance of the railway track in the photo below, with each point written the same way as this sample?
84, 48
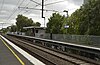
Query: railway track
49, 57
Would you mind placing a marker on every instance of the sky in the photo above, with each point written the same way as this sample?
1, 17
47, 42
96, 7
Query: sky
9, 9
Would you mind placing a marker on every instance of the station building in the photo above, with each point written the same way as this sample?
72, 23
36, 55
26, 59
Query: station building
35, 31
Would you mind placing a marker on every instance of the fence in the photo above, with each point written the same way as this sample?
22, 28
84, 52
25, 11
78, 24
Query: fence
78, 39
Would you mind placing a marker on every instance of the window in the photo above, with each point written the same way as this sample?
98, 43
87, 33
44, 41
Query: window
36, 31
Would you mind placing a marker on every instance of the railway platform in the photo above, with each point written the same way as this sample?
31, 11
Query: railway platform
10, 56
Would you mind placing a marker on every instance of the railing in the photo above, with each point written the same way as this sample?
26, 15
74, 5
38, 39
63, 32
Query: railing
85, 51
88, 40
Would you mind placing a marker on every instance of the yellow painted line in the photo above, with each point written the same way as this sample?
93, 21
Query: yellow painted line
13, 52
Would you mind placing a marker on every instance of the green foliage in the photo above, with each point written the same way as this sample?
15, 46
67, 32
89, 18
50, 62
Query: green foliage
23, 21
37, 24
13, 28
73, 22
56, 24
86, 20
91, 18
4, 30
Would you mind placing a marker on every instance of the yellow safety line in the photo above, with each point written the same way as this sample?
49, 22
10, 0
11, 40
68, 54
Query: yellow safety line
13, 52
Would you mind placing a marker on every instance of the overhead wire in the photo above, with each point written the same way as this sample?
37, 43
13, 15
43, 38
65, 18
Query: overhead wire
48, 3
36, 2
37, 5
16, 9
29, 8
22, 9
54, 2
44, 5
2, 5
25, 6
37, 9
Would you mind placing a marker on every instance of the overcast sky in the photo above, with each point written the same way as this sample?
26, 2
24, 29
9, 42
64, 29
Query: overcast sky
9, 9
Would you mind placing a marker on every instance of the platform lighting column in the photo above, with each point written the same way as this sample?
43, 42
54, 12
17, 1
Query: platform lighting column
66, 26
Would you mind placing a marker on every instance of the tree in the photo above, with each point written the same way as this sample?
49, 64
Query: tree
13, 28
55, 24
91, 21
37, 24
23, 21
73, 22
86, 20
4, 30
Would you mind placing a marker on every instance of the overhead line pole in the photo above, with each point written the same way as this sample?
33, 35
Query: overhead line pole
43, 8
43, 11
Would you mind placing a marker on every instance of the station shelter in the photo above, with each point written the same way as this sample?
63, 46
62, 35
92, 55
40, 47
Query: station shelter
35, 31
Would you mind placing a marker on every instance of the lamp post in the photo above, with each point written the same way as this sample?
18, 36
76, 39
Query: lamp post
66, 26
66, 12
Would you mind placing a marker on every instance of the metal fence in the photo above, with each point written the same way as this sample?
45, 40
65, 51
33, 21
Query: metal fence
78, 39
